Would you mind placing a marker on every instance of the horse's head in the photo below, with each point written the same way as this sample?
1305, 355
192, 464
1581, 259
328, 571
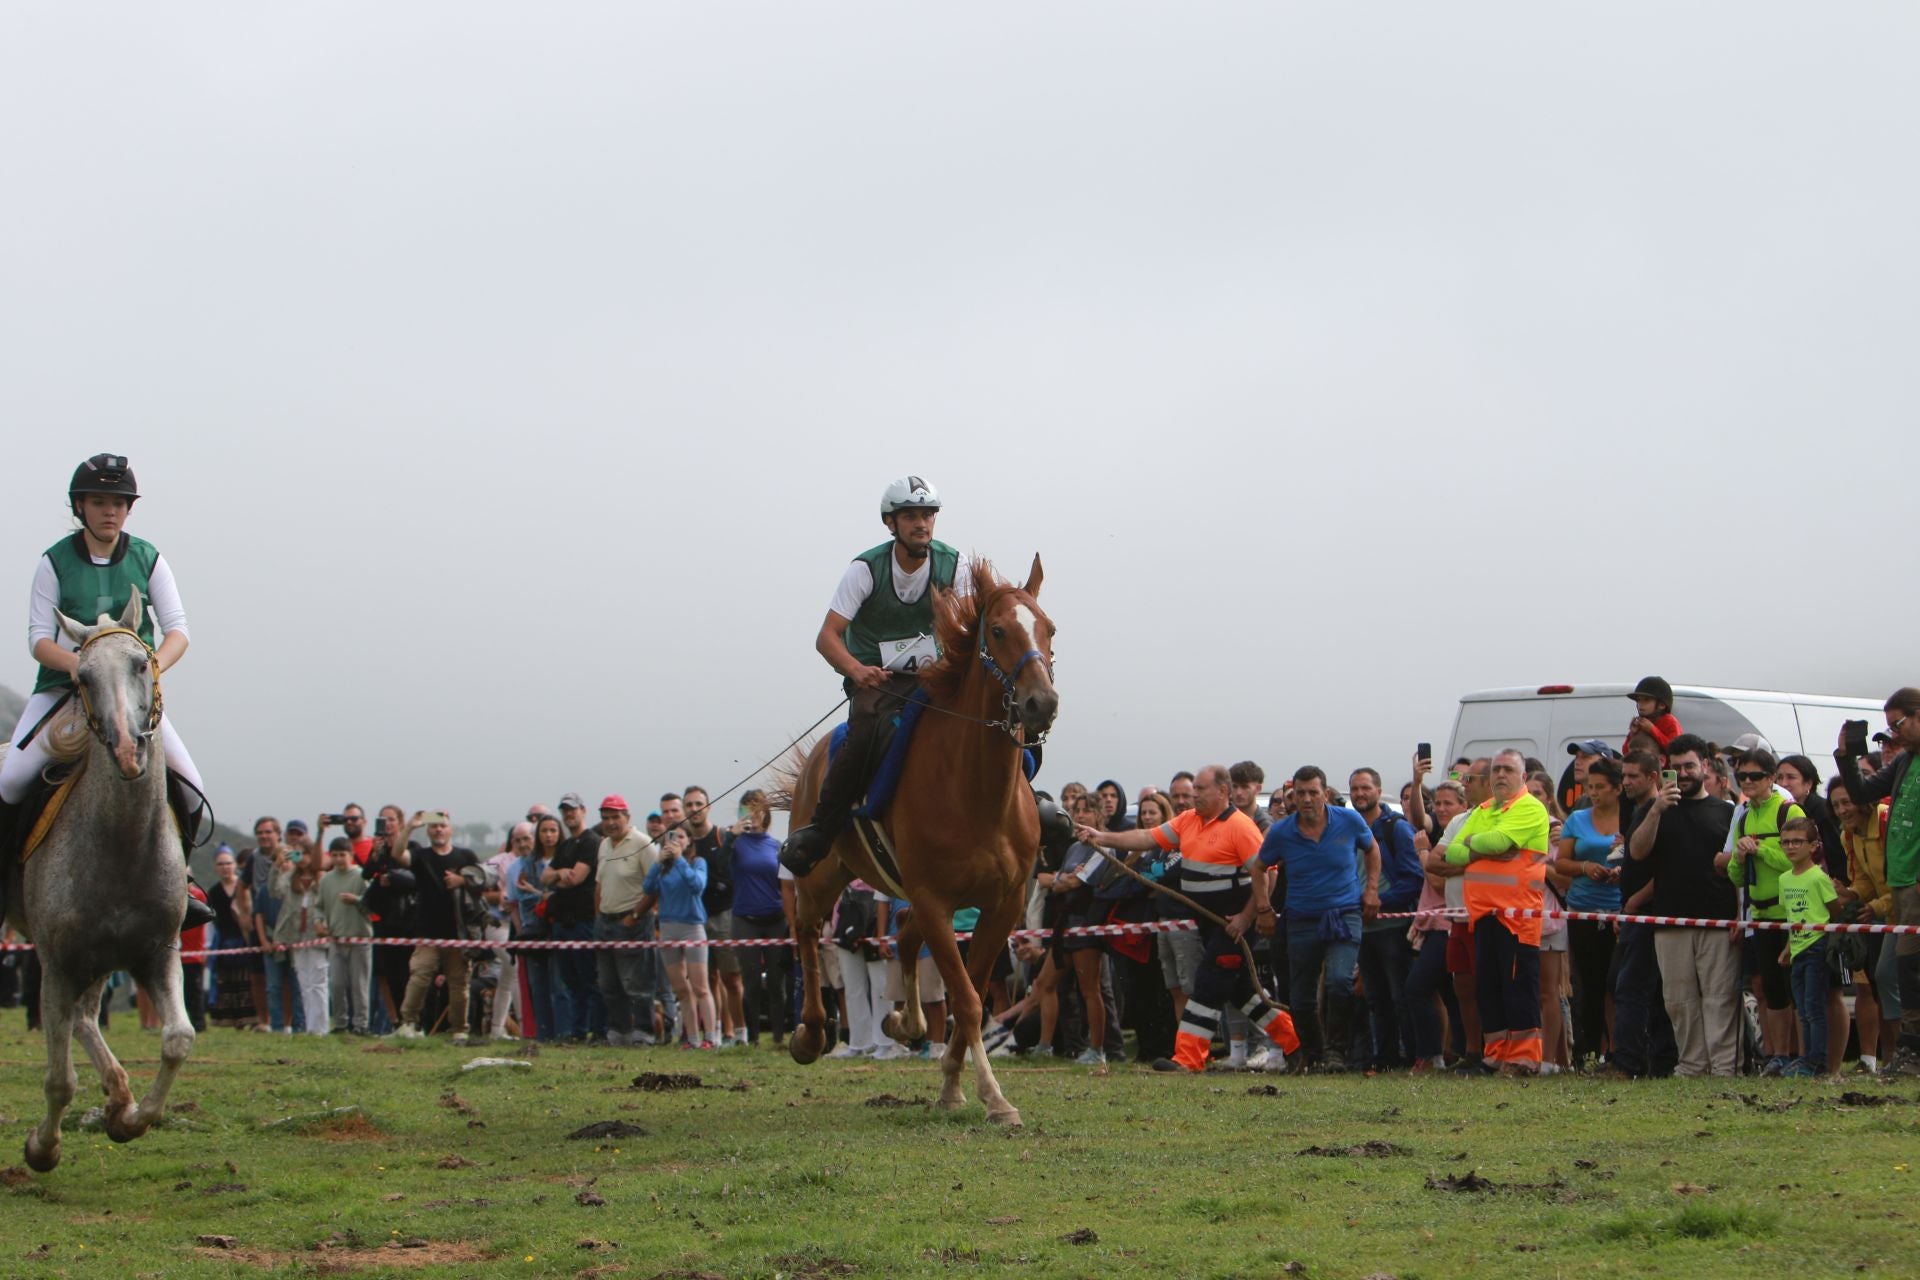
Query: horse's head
119, 685
1017, 639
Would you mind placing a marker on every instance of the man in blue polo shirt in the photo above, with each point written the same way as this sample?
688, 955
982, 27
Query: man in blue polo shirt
1333, 881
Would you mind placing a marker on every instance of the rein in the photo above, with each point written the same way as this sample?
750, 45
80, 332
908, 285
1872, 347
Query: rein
155, 705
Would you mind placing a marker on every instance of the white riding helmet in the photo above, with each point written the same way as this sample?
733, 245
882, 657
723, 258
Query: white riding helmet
909, 491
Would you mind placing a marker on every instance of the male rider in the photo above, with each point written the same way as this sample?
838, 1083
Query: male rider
878, 633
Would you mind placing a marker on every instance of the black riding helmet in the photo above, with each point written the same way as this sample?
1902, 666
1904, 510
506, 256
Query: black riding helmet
103, 473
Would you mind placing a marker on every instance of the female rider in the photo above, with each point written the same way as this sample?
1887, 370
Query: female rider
94, 571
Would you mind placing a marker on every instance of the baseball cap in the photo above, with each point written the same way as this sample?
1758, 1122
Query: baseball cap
296, 824
1592, 747
572, 800
615, 802
1748, 742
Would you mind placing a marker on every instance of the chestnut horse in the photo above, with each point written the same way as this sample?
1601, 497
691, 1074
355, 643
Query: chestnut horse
961, 824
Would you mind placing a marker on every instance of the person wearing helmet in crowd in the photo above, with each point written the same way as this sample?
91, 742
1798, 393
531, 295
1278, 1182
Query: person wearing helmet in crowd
878, 635
93, 571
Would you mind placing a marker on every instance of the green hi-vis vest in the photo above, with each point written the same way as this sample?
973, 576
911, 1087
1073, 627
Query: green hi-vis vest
883, 616
88, 590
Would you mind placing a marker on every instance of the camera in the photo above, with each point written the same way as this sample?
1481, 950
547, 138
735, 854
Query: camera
1856, 736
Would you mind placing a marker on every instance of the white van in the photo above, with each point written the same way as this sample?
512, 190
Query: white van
1543, 721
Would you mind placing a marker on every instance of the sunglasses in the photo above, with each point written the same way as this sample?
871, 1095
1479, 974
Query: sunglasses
1750, 775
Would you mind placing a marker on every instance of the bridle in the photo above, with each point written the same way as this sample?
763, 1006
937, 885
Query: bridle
1009, 701
155, 705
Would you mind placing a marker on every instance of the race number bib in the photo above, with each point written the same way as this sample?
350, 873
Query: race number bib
908, 655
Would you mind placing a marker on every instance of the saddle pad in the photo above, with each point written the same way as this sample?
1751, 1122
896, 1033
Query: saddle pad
881, 786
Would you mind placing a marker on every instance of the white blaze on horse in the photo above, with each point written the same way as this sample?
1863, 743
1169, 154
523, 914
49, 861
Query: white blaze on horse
107, 886
962, 827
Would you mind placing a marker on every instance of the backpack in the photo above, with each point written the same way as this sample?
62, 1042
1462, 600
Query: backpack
855, 919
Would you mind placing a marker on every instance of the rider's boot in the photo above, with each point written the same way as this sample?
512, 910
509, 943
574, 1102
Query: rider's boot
186, 813
846, 774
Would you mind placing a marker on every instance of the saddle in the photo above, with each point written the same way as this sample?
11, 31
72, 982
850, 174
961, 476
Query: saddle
40, 809
897, 736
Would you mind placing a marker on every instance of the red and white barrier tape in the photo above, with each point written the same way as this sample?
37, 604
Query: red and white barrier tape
1451, 916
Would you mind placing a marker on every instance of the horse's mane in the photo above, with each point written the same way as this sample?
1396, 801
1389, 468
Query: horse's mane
956, 624
66, 734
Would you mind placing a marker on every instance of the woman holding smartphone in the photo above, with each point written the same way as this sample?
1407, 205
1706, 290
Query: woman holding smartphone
676, 882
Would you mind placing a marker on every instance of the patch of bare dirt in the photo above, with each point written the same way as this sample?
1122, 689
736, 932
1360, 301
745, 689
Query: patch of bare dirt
1085, 1235
15, 1176
1853, 1098
456, 1162
805, 1267
335, 1259
348, 1128
1372, 1149
889, 1100
607, 1129
666, 1081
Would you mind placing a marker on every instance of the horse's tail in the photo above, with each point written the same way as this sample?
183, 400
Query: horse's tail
786, 775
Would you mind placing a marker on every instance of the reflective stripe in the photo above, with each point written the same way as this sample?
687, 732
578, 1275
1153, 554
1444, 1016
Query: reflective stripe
1219, 886
1196, 1009
1190, 867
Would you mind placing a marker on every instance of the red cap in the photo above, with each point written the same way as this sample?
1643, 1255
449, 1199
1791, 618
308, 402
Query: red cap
615, 802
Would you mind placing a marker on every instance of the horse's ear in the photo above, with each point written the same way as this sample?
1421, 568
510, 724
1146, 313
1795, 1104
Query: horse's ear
1033, 578
78, 633
130, 616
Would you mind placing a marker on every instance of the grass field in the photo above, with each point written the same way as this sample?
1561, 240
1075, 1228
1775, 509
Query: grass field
773, 1169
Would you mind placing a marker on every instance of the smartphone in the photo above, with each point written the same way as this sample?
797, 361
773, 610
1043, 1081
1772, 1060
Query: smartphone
336, 819
1856, 734
379, 826
1424, 751
433, 816
1668, 777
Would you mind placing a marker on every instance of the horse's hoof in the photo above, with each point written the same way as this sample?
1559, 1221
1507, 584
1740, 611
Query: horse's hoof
890, 1027
42, 1161
805, 1044
1009, 1118
124, 1125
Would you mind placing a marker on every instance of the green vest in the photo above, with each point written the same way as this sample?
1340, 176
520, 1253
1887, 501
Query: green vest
88, 590
1770, 862
883, 616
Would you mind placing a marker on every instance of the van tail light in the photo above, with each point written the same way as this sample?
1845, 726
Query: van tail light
1546, 689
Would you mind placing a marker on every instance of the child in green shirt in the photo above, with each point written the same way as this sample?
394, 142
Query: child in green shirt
1806, 892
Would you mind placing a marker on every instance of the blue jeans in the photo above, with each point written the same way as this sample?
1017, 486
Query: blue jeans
378, 1023
279, 972
1643, 1043
1307, 954
578, 1010
1427, 979
539, 968
1810, 982
1386, 958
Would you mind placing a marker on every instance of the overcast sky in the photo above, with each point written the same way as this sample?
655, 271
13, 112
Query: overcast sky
510, 384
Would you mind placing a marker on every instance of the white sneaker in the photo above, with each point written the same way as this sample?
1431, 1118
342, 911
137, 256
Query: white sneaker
460, 1038
891, 1052
1275, 1060
408, 1032
846, 1051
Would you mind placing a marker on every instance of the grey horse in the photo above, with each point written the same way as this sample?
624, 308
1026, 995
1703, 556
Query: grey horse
108, 886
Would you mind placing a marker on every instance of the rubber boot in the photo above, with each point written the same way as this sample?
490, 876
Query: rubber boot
847, 774
1056, 832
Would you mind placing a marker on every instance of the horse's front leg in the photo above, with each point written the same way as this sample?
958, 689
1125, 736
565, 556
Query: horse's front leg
164, 984
56, 1021
113, 1076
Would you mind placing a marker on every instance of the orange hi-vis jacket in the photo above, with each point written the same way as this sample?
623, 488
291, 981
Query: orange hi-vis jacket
1518, 880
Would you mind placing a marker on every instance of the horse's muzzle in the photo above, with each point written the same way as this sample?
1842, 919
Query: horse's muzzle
1038, 707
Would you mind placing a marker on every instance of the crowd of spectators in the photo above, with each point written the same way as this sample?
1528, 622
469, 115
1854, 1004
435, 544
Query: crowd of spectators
1379, 927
